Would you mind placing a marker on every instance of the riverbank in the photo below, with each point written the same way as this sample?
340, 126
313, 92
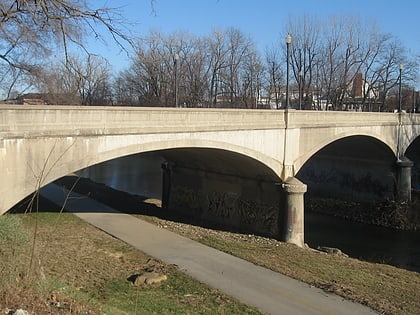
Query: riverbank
55, 263
391, 214
387, 289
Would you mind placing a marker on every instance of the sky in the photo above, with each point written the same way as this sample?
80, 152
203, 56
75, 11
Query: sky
263, 20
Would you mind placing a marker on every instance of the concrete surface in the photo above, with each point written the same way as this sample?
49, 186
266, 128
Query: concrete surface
269, 291
39, 144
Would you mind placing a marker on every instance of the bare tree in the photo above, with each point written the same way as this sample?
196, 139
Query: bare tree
14, 82
93, 80
327, 61
305, 53
240, 49
194, 70
221, 69
146, 79
252, 74
218, 49
58, 85
274, 77
77, 81
31, 30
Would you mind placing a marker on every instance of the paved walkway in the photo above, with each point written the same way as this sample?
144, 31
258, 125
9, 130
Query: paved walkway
269, 291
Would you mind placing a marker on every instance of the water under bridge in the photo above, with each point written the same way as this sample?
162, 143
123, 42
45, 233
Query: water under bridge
246, 168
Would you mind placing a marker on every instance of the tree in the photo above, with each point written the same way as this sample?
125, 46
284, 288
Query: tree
304, 56
31, 30
239, 48
13, 81
329, 57
92, 77
218, 51
150, 78
273, 76
224, 69
76, 81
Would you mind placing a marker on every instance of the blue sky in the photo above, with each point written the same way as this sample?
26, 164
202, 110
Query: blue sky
263, 20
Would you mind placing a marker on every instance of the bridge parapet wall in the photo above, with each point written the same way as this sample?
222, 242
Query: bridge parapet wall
410, 130
81, 136
40, 144
313, 130
31, 121
329, 119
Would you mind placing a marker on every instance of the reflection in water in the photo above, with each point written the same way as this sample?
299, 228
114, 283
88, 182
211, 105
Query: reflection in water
141, 174
138, 174
364, 241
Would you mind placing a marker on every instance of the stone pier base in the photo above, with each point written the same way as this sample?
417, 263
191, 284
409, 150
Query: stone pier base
293, 209
404, 166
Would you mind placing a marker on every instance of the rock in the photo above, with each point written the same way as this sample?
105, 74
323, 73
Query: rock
16, 312
148, 278
54, 300
332, 251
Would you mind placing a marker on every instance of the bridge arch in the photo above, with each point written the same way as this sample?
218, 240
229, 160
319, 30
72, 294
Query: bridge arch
271, 163
58, 158
413, 153
356, 167
323, 142
213, 184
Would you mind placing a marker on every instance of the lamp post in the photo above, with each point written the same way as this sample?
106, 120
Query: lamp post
399, 89
300, 89
288, 42
176, 58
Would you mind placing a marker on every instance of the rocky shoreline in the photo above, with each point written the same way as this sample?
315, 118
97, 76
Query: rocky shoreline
390, 214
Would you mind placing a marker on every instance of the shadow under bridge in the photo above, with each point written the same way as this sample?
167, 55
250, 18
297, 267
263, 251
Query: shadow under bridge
223, 188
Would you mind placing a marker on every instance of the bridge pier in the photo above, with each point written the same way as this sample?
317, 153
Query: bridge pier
166, 184
293, 210
403, 190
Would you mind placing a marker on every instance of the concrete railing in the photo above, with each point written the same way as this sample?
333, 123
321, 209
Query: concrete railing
22, 121
18, 120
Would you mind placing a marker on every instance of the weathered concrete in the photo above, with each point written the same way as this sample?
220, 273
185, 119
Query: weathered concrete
293, 210
245, 203
353, 168
267, 290
230, 156
404, 166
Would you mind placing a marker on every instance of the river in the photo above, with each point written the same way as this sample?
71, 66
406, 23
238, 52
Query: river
137, 175
364, 241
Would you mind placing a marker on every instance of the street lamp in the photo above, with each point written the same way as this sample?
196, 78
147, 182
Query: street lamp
399, 89
300, 89
288, 42
176, 58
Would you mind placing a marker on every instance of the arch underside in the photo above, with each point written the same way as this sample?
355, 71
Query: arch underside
413, 154
221, 187
226, 176
327, 141
358, 168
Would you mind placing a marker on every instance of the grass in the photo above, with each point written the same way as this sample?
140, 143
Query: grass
50, 257
104, 290
384, 288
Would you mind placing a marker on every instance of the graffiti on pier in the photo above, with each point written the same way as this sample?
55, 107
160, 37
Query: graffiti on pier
222, 204
228, 209
252, 215
185, 199
262, 217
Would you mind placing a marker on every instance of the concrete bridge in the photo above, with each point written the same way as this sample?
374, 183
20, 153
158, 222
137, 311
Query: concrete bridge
245, 168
